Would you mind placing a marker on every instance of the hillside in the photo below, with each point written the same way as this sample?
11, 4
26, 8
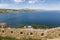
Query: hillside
15, 10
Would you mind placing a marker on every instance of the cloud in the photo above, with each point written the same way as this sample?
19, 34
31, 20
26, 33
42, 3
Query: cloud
4, 5
32, 1
18, 1
36, 1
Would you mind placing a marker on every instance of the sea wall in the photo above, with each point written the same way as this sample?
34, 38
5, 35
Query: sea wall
20, 33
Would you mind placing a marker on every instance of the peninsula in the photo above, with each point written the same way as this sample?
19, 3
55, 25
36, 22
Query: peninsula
15, 10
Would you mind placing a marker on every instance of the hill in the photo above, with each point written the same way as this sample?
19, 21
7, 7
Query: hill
15, 10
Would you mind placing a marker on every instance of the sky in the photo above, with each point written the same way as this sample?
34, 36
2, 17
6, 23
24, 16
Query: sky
30, 4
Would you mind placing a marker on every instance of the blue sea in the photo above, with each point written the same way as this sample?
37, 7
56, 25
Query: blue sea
13, 19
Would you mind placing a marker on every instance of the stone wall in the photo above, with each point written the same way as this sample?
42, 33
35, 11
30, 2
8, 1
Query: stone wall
42, 34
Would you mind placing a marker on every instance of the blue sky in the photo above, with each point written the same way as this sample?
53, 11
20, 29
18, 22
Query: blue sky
30, 4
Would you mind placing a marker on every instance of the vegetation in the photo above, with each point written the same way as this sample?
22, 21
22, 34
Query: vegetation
21, 26
4, 26
33, 26
29, 39
38, 26
42, 26
7, 38
10, 38
14, 10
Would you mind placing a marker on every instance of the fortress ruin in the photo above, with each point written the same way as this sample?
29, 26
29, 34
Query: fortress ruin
20, 33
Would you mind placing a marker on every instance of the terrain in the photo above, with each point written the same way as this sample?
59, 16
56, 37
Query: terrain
15, 10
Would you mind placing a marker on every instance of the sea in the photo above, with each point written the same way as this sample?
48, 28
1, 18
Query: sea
13, 19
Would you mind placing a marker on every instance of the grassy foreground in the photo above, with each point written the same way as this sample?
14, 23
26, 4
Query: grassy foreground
7, 38
10, 38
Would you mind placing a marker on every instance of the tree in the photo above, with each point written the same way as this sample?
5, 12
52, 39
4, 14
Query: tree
21, 26
51, 27
34, 25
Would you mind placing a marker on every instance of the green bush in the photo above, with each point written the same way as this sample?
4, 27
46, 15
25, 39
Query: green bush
37, 26
7, 38
42, 26
21, 26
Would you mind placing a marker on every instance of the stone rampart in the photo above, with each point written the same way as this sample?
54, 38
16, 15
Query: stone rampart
20, 33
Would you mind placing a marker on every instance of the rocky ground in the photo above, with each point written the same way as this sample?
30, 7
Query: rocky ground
54, 39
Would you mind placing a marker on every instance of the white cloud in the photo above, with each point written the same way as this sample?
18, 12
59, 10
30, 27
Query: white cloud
32, 1
18, 1
4, 5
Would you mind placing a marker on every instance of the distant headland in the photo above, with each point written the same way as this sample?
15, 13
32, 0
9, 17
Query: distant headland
15, 10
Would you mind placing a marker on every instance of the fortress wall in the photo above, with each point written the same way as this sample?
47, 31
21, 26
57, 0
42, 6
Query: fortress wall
57, 34
7, 32
2, 32
19, 33
53, 33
